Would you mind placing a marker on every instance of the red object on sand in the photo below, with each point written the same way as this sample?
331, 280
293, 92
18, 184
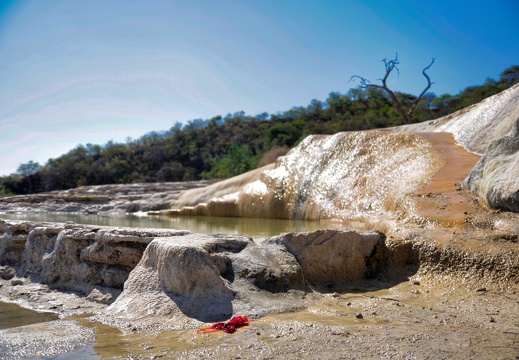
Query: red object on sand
228, 326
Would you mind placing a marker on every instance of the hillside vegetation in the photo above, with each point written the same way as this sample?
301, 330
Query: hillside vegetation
222, 147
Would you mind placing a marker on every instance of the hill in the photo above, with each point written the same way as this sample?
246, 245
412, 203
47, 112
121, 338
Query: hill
223, 147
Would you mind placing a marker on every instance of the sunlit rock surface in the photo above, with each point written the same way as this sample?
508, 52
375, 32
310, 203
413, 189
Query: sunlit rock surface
489, 128
476, 126
95, 261
495, 176
346, 175
209, 278
174, 279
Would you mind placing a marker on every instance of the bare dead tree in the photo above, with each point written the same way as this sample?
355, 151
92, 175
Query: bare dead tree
407, 116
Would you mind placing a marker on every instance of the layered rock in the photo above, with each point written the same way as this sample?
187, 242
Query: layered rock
177, 279
95, 261
115, 198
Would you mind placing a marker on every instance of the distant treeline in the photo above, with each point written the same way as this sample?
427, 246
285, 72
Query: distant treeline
222, 147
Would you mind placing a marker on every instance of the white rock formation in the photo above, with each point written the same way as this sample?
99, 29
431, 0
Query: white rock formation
329, 258
175, 279
476, 126
346, 175
495, 177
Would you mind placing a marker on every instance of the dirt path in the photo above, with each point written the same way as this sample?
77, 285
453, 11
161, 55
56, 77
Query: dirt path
442, 200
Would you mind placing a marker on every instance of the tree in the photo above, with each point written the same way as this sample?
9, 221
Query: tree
510, 76
28, 169
407, 115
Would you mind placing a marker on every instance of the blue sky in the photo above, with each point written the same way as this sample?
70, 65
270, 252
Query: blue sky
78, 72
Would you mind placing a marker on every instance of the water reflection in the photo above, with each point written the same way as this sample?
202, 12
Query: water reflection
12, 315
256, 228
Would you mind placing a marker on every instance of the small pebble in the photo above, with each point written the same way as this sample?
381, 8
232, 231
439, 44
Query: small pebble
359, 316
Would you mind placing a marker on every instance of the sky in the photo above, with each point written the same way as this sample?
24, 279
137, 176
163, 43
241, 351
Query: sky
79, 72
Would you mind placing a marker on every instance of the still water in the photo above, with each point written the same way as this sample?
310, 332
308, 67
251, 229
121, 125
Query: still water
257, 229
12, 315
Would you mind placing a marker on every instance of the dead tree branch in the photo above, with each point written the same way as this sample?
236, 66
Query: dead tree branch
391, 65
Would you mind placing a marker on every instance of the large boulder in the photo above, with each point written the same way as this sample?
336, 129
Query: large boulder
331, 258
494, 178
182, 281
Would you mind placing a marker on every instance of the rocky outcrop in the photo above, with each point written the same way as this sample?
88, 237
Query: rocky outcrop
95, 261
346, 175
488, 128
211, 277
494, 178
178, 279
207, 278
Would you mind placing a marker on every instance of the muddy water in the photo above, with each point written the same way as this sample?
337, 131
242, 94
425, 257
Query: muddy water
442, 200
115, 343
257, 229
12, 315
